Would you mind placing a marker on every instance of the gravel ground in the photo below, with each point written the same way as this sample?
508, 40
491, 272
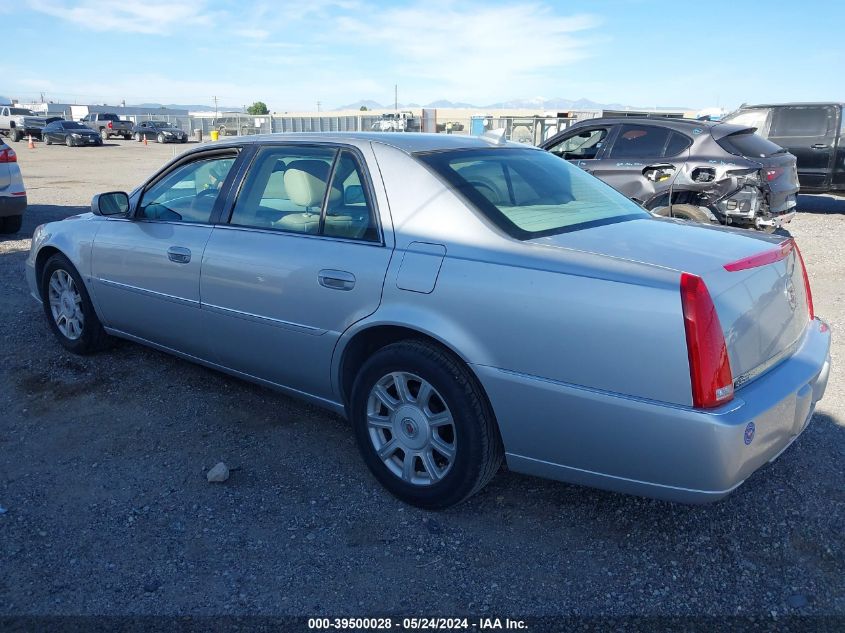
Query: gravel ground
108, 511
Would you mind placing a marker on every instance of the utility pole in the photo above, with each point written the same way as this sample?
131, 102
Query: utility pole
396, 97
318, 106
215, 106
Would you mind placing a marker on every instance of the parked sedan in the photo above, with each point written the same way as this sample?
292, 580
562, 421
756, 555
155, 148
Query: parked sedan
12, 191
712, 172
70, 133
161, 131
458, 299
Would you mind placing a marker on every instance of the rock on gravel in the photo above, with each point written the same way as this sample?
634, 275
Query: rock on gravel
218, 474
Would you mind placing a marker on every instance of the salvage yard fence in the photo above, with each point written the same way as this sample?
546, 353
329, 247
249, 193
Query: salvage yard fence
523, 129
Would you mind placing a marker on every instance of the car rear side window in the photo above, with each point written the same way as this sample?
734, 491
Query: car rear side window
529, 193
749, 144
677, 143
806, 121
287, 189
639, 141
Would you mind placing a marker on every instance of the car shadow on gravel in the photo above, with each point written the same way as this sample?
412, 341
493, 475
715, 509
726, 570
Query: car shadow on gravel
820, 204
36, 214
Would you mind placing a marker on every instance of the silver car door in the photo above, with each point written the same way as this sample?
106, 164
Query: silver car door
146, 268
298, 263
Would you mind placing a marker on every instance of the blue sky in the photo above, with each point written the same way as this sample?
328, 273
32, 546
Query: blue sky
293, 54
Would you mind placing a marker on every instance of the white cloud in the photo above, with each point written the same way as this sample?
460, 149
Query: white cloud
153, 17
471, 50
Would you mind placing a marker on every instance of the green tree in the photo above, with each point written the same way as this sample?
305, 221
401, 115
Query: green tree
363, 108
259, 107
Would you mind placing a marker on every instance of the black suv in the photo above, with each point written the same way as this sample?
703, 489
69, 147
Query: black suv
813, 132
711, 172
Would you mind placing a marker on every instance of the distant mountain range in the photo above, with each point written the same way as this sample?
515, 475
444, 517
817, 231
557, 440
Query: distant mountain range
536, 103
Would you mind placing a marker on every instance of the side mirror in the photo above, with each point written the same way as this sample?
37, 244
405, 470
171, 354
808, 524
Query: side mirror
111, 203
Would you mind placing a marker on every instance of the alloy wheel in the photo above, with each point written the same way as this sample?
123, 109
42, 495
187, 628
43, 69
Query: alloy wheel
411, 428
65, 304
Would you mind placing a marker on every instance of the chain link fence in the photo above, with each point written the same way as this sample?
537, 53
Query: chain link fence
532, 130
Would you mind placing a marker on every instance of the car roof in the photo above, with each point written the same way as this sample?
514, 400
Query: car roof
717, 129
408, 142
750, 106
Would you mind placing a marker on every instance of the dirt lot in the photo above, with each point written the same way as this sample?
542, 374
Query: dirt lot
106, 509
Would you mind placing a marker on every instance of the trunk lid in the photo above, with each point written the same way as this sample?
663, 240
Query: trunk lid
762, 309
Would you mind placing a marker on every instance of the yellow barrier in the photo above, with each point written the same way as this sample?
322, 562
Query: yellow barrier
215, 135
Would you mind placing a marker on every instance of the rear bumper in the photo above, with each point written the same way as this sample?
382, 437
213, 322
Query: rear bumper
12, 205
570, 433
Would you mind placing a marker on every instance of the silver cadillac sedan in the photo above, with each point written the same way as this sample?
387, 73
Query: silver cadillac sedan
460, 300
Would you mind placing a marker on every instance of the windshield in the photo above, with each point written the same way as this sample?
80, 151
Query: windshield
73, 125
23, 111
531, 193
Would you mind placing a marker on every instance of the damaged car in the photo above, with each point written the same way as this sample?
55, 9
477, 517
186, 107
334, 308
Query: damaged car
695, 170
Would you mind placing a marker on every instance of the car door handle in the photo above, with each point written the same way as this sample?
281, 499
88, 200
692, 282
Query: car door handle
820, 146
179, 254
336, 279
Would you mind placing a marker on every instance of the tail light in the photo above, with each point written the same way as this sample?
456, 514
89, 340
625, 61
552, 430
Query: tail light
773, 173
762, 259
8, 155
110, 125
710, 368
807, 290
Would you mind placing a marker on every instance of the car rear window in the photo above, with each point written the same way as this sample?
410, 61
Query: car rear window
529, 193
109, 117
749, 144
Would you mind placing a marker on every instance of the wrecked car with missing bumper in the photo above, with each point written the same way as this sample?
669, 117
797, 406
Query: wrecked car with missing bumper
695, 170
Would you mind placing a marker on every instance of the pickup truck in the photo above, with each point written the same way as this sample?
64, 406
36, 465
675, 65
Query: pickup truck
812, 132
16, 123
108, 125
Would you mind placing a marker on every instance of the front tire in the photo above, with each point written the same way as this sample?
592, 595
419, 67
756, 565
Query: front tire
160, 138
688, 212
104, 134
11, 224
15, 134
68, 307
423, 425
47, 140
68, 141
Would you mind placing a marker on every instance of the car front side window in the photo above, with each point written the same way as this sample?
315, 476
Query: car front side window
584, 145
188, 193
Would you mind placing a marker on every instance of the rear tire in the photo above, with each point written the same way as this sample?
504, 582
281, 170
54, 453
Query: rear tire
47, 140
688, 212
104, 134
65, 300
11, 224
425, 460
126, 137
137, 136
